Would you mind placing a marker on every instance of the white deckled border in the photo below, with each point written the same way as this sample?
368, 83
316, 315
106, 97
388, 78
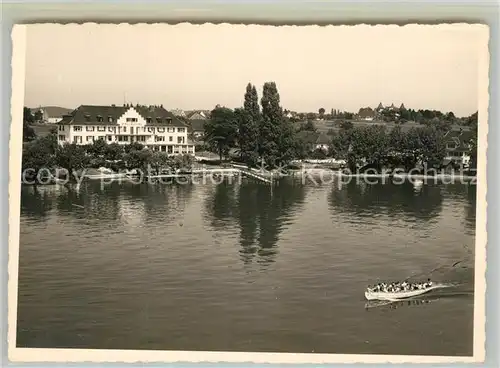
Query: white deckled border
130, 356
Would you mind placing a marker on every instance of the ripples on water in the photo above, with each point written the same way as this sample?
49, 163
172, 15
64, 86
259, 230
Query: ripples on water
240, 267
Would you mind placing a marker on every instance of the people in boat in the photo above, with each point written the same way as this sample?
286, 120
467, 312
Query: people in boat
395, 287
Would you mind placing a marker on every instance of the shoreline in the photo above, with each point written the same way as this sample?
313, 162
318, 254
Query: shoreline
264, 177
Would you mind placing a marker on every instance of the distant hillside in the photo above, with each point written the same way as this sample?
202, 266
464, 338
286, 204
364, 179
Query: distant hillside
53, 111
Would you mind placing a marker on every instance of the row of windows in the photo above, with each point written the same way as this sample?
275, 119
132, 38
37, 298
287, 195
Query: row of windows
119, 138
114, 129
170, 139
111, 119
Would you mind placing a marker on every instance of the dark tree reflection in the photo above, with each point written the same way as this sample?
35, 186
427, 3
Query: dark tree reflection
36, 202
362, 199
261, 213
92, 201
470, 209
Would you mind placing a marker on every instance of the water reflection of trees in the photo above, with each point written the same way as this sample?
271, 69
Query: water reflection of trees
88, 202
108, 203
259, 212
364, 200
470, 209
36, 202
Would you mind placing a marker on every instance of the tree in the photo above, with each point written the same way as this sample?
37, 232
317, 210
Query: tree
472, 121
248, 135
28, 116
308, 126
138, 159
134, 146
98, 148
310, 116
432, 145
221, 130
71, 157
346, 125
182, 162
362, 146
157, 160
38, 117
248, 126
28, 131
321, 112
406, 147
277, 143
39, 154
114, 152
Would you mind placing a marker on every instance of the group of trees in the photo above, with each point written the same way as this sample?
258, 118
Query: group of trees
28, 120
46, 153
262, 131
398, 115
259, 132
374, 147
321, 114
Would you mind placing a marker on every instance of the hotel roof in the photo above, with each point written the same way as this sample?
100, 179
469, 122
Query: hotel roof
90, 115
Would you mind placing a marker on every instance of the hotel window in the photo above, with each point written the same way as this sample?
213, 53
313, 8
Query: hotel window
77, 128
110, 119
101, 137
148, 120
131, 130
159, 139
61, 127
180, 139
141, 138
160, 130
110, 138
90, 138
110, 129
90, 129
170, 139
131, 120
124, 129
77, 139
87, 117
169, 121
62, 138
181, 130
99, 118
101, 128
158, 120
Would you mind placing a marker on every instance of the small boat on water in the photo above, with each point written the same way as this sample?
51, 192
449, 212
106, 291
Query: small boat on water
398, 295
104, 173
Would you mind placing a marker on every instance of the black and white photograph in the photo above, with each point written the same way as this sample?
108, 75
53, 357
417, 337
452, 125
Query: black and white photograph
248, 193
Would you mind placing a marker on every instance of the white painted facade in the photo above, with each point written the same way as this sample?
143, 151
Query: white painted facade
455, 152
130, 127
53, 120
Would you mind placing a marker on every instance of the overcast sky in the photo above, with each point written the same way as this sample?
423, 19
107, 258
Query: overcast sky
196, 67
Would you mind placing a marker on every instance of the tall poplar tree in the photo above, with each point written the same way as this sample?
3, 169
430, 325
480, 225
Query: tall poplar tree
248, 120
277, 144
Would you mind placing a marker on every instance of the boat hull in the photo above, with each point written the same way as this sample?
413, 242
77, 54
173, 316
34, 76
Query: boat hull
399, 295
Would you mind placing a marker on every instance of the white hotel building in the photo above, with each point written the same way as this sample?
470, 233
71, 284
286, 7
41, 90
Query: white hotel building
153, 126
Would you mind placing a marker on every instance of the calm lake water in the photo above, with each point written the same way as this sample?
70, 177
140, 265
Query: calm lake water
236, 267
